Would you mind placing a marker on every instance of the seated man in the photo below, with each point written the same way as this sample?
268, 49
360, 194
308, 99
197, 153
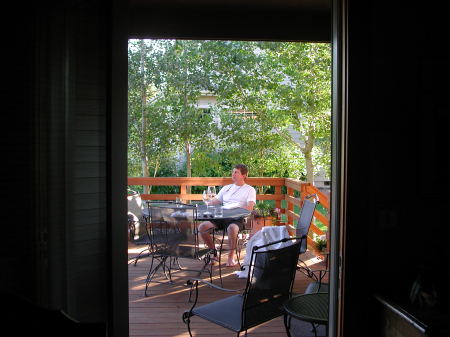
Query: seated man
239, 194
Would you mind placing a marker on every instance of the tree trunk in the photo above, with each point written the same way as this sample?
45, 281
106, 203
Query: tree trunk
188, 164
145, 174
307, 153
187, 147
144, 158
309, 167
155, 171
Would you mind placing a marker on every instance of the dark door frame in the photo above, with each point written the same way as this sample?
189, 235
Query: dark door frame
117, 157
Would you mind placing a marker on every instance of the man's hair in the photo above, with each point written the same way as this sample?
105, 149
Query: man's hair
242, 168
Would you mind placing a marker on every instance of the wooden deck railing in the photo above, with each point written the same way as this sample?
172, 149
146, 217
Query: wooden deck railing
296, 191
304, 190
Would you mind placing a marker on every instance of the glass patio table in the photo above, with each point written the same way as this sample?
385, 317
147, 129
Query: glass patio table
228, 214
201, 213
237, 214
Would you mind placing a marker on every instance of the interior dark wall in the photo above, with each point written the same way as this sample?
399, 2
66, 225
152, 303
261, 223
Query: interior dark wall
239, 20
54, 141
398, 118
65, 147
17, 249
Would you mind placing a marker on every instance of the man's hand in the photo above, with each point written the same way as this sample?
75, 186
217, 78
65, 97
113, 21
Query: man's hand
215, 202
250, 205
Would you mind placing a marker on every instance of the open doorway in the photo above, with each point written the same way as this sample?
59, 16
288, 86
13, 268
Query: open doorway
196, 107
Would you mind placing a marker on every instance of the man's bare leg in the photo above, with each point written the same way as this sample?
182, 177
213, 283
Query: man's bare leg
232, 231
205, 229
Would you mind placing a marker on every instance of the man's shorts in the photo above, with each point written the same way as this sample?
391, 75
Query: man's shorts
223, 224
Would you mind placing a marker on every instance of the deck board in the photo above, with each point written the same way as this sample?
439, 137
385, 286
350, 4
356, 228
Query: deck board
160, 313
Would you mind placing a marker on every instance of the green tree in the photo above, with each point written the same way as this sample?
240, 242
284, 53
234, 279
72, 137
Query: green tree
303, 99
185, 77
288, 88
265, 91
249, 141
150, 141
240, 79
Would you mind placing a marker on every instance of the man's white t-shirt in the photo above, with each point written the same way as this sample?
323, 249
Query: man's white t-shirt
233, 196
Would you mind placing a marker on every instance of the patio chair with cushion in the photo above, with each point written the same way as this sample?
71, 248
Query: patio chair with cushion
136, 221
137, 224
269, 285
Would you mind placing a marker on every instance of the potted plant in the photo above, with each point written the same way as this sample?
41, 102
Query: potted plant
320, 244
266, 215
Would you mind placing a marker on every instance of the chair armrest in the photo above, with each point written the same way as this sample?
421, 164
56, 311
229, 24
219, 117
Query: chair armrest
324, 271
312, 273
194, 282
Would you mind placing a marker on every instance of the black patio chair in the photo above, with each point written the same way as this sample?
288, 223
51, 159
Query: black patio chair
241, 241
136, 221
317, 286
269, 285
137, 224
312, 288
303, 226
172, 230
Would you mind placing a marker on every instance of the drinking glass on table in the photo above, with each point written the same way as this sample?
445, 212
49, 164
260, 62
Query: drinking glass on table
211, 192
206, 199
218, 211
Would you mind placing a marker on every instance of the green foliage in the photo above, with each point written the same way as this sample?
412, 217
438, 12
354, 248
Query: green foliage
264, 209
320, 242
303, 99
150, 140
283, 85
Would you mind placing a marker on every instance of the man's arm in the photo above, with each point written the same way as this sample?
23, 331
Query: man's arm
250, 205
215, 202
251, 199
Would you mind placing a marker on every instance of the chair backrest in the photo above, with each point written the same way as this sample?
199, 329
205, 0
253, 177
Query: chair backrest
172, 230
304, 222
135, 213
270, 281
134, 203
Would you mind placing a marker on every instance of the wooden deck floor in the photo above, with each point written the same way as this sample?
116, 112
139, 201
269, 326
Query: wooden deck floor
159, 314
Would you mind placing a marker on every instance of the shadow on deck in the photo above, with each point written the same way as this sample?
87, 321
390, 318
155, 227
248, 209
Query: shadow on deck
159, 314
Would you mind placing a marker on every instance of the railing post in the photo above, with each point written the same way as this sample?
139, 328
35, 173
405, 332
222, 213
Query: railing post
290, 206
303, 192
183, 193
278, 202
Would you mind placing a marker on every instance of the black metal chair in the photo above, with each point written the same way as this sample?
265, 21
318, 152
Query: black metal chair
244, 236
137, 224
303, 226
136, 221
269, 285
317, 286
241, 240
308, 307
314, 287
173, 234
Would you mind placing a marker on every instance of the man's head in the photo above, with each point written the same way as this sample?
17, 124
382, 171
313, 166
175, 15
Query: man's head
239, 174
